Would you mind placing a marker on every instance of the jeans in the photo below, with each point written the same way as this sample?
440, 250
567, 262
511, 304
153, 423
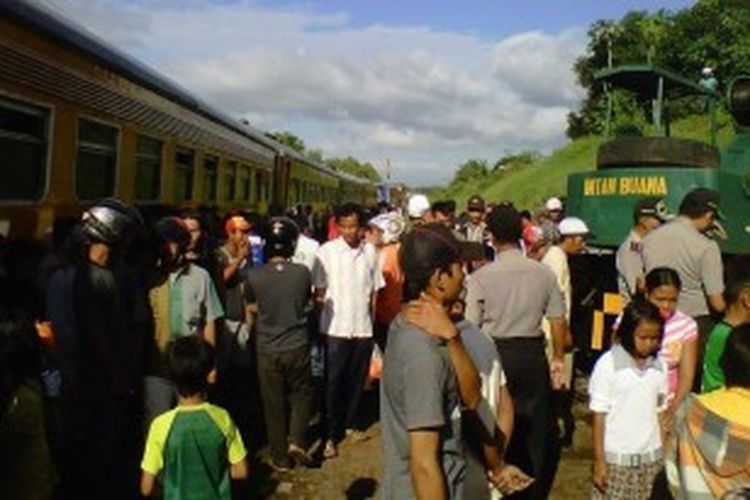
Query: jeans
285, 380
347, 363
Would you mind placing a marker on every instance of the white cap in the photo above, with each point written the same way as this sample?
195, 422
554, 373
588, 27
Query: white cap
418, 206
570, 226
392, 225
553, 204
707, 71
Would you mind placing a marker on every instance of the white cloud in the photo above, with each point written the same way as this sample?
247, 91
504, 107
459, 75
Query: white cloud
425, 99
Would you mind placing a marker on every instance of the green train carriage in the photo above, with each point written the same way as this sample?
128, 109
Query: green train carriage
631, 167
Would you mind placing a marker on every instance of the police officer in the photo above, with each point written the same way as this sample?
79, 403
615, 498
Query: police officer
683, 245
648, 214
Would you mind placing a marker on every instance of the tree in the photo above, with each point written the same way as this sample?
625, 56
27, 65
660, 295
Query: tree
353, 166
471, 169
315, 155
289, 139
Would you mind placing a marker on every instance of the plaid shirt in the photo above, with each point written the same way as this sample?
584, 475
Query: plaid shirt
709, 455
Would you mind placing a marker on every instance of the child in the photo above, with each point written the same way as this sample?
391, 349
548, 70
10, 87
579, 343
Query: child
196, 444
679, 349
737, 295
628, 390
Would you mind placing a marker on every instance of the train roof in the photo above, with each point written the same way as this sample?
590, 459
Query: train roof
643, 79
77, 38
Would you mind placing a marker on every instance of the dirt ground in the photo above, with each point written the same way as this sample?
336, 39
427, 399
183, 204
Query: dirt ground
356, 473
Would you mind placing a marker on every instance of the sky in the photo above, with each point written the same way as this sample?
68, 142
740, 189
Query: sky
420, 85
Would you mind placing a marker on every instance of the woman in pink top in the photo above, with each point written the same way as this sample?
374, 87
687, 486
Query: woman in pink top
679, 348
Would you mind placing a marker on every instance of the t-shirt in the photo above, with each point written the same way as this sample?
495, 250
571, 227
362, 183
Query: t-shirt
695, 257
194, 446
713, 374
282, 292
509, 297
419, 390
234, 305
388, 303
732, 404
305, 252
679, 329
631, 397
483, 354
557, 260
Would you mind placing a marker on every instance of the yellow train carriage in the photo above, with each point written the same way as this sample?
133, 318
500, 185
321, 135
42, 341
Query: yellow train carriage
79, 121
312, 184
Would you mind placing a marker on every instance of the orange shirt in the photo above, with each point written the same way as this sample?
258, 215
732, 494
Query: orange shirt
388, 303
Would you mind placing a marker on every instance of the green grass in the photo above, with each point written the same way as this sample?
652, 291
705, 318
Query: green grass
527, 186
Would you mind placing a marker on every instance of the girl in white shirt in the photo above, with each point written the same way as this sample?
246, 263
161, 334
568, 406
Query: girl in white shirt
628, 390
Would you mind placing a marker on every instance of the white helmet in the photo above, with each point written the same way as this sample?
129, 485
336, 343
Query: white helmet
417, 206
707, 71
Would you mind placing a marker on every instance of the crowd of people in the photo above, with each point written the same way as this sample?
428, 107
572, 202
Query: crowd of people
168, 353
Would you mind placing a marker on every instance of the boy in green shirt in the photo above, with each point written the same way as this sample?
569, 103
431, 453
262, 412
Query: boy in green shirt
737, 295
196, 446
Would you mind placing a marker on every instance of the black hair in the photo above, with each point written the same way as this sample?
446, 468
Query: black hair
424, 250
637, 311
445, 207
525, 214
735, 361
20, 354
189, 361
349, 209
661, 276
504, 222
736, 278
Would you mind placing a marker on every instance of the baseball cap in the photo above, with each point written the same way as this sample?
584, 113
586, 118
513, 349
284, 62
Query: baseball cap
475, 203
652, 207
553, 204
571, 226
702, 199
417, 206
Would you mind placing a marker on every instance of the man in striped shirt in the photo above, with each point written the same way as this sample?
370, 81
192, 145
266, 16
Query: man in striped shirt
346, 277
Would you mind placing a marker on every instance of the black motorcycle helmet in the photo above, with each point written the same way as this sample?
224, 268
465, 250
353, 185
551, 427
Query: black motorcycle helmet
173, 230
281, 237
110, 221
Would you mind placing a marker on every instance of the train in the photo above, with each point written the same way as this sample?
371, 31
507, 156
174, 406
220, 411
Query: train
632, 166
80, 121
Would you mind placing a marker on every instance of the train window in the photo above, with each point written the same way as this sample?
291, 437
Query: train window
210, 172
259, 187
23, 144
184, 171
96, 160
230, 175
245, 183
148, 168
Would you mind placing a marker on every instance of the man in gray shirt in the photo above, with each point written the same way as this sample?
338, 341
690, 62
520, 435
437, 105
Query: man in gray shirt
683, 245
648, 214
507, 299
419, 394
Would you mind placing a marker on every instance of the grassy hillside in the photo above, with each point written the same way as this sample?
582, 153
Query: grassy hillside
529, 185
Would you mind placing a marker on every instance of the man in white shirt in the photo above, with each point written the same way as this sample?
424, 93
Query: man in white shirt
346, 277
573, 234
306, 251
